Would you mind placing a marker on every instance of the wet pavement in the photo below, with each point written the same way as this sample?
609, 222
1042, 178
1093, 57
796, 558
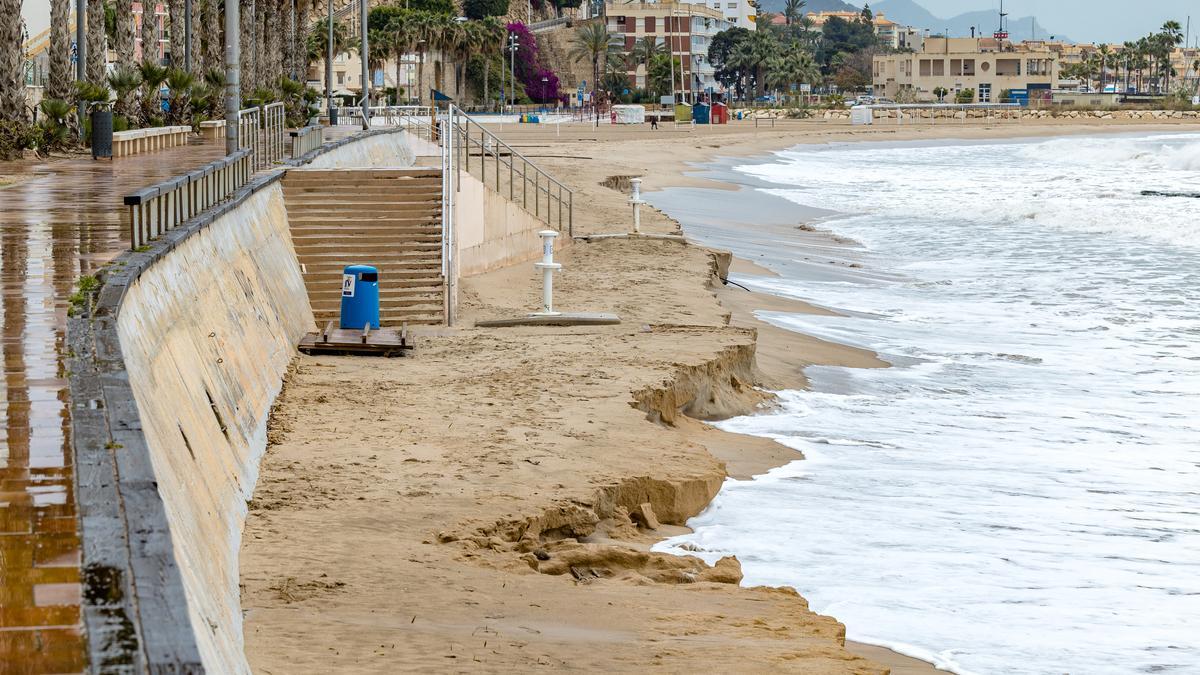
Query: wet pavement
60, 220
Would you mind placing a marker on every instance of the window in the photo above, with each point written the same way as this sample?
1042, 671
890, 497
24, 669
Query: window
731, 5
341, 77
650, 24
985, 93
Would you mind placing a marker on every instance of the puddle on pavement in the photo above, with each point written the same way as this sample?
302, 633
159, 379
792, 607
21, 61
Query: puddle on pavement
58, 221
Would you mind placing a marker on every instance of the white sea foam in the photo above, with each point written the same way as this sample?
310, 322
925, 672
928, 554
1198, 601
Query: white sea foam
1021, 493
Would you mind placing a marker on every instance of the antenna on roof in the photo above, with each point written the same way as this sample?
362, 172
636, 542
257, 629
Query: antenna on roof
1001, 34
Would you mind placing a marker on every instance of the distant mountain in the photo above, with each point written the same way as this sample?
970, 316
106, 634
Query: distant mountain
776, 6
909, 13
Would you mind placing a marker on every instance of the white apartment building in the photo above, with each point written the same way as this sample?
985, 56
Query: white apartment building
736, 12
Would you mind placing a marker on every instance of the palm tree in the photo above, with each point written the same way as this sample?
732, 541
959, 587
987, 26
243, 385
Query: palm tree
124, 82
1103, 55
12, 85
491, 37
123, 33
211, 38
593, 42
175, 32
398, 36
1196, 73
153, 77
180, 83
1171, 35
793, 10
149, 33
426, 30
95, 42
59, 84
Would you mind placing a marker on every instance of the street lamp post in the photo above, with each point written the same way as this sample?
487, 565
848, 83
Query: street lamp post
513, 44
329, 65
366, 74
233, 94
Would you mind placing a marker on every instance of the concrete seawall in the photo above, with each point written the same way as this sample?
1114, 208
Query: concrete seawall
175, 364
493, 232
207, 334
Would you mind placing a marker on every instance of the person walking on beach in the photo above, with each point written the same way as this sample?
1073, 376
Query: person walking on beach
653, 123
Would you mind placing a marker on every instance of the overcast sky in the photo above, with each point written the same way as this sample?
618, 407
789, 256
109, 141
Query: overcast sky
1087, 20
1084, 20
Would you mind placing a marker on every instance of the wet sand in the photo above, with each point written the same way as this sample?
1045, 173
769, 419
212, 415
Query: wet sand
478, 506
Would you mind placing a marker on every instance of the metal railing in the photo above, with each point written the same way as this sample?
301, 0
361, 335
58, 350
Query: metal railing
261, 130
306, 140
167, 205
495, 163
539, 26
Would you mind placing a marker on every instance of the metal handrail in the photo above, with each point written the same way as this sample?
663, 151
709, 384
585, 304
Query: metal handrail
306, 140
261, 130
469, 136
164, 206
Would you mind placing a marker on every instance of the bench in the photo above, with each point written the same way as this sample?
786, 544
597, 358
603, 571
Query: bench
137, 141
212, 130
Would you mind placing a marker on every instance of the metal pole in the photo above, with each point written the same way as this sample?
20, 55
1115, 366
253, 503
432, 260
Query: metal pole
329, 64
187, 36
233, 91
366, 75
81, 53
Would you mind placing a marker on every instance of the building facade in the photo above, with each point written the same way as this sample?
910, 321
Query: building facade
985, 65
688, 29
890, 33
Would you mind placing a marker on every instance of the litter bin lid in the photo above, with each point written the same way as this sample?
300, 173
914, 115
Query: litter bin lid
359, 269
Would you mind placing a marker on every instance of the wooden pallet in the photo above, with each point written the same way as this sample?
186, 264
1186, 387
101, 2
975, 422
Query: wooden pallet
349, 342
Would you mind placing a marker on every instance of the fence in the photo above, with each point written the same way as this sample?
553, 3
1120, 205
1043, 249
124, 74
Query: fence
306, 140
260, 130
534, 189
167, 205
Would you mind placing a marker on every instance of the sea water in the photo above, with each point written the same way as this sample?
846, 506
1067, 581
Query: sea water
1020, 492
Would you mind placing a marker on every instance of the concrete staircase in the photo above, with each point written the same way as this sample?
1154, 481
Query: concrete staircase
388, 218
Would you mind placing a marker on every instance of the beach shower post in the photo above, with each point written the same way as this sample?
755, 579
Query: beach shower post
548, 268
635, 198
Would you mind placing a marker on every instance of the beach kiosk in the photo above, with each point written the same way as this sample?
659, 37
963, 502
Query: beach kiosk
629, 114
700, 112
683, 113
720, 113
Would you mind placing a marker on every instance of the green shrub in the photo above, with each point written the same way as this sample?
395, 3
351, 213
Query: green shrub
17, 136
479, 9
965, 96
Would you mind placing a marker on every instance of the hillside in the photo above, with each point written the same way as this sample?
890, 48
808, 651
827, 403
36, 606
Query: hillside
776, 6
986, 21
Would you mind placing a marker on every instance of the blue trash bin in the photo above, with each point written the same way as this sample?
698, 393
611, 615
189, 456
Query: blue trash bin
360, 297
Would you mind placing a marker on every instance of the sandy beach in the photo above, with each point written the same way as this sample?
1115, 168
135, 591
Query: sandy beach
488, 503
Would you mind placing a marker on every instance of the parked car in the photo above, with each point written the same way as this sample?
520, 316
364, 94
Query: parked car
864, 100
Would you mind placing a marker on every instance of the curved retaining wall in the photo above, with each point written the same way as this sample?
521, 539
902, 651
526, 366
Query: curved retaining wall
174, 367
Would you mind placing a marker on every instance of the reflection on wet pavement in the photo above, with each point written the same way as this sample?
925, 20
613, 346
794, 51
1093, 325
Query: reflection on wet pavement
60, 220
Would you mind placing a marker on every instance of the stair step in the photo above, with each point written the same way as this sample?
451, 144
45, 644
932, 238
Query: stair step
297, 190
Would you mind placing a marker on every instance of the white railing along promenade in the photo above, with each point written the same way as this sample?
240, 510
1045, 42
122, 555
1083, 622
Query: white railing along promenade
261, 130
160, 208
307, 139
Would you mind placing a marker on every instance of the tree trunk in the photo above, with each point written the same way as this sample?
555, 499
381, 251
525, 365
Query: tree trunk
59, 84
176, 35
487, 68
399, 60
273, 41
95, 42
247, 44
12, 84
123, 39
261, 55
214, 45
149, 34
